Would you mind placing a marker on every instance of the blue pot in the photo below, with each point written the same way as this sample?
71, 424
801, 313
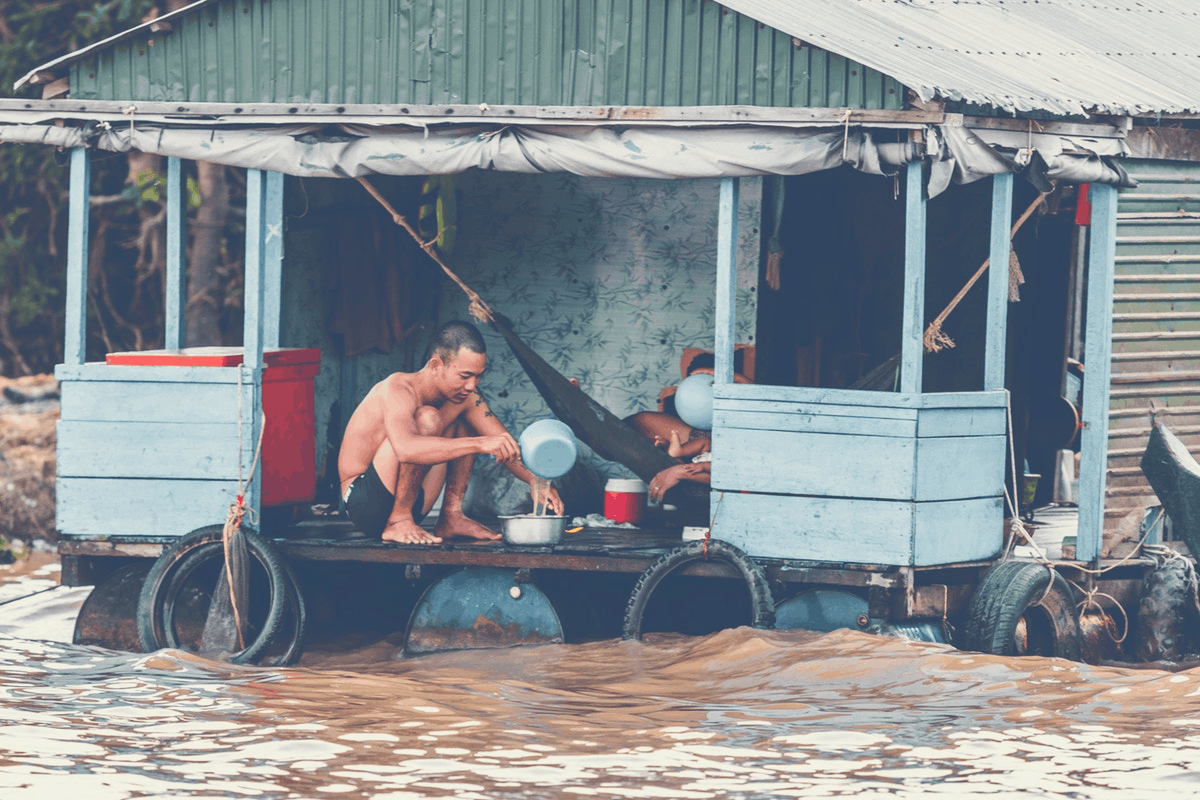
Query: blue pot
548, 448
694, 401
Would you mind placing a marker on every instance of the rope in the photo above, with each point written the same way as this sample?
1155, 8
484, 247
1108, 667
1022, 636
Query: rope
1089, 601
237, 513
479, 309
712, 523
935, 339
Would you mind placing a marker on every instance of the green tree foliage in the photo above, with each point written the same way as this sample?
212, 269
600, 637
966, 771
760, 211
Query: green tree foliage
33, 197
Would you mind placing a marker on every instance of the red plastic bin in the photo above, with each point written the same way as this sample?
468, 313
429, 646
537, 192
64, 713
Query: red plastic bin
288, 448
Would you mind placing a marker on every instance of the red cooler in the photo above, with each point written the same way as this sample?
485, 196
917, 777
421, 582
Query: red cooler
288, 447
624, 499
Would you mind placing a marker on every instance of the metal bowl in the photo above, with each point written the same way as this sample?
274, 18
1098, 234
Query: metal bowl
530, 529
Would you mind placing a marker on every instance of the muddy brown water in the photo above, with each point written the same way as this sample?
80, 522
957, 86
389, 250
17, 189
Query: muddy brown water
739, 713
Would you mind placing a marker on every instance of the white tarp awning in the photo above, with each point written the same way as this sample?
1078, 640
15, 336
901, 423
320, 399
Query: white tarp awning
957, 154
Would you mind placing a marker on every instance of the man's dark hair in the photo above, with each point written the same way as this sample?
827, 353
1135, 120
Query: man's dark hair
452, 337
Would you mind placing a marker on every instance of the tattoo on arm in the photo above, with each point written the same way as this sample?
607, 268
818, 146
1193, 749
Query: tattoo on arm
488, 413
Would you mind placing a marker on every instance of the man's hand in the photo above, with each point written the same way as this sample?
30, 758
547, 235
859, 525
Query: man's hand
551, 499
503, 446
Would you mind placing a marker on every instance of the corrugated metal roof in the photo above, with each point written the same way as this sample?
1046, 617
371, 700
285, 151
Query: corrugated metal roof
639, 53
1061, 56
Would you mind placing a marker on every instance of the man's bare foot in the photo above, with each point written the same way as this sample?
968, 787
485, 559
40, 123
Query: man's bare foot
461, 525
405, 531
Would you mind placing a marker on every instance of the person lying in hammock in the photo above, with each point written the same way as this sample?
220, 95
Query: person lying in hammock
682, 441
414, 432
698, 468
662, 427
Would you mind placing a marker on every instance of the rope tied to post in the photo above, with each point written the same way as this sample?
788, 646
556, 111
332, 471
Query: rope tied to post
935, 339
479, 309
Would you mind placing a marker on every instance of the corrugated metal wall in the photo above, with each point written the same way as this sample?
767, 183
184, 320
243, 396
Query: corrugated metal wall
502, 52
1156, 322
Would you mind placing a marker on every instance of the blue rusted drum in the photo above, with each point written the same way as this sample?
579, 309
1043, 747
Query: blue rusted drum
108, 617
478, 608
823, 610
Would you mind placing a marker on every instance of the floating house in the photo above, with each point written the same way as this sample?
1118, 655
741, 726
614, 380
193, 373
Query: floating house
801, 185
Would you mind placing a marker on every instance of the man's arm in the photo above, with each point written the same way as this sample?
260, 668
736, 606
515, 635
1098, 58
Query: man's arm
481, 419
412, 447
484, 423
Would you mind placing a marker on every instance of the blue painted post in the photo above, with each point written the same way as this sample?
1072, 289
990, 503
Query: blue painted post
997, 302
912, 347
176, 289
727, 239
273, 260
252, 334
75, 339
1093, 460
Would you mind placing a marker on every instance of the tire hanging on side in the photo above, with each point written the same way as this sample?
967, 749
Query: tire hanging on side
160, 596
762, 602
1023, 608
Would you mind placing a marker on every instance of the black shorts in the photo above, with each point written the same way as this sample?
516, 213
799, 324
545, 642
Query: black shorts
368, 503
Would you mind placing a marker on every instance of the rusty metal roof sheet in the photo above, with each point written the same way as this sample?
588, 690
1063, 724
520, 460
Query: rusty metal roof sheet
1061, 56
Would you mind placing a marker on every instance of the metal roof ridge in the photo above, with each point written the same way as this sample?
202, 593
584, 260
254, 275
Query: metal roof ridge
116, 37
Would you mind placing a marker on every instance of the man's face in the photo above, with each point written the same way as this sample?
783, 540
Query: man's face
459, 376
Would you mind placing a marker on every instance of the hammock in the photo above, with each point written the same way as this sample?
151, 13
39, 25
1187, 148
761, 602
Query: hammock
593, 424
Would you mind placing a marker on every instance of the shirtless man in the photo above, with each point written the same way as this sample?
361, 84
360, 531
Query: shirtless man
415, 431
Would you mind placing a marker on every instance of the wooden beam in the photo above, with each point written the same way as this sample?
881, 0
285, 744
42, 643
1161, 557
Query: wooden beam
75, 323
1164, 144
726, 300
912, 348
1106, 127
175, 313
252, 328
252, 339
399, 114
1097, 376
56, 89
997, 302
272, 260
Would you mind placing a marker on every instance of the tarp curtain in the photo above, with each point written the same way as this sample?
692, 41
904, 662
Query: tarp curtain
956, 154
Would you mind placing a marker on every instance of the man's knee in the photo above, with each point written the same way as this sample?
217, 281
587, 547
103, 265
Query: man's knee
429, 421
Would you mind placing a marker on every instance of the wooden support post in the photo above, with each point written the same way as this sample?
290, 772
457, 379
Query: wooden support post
252, 335
997, 302
175, 313
273, 260
912, 347
75, 339
1093, 460
726, 300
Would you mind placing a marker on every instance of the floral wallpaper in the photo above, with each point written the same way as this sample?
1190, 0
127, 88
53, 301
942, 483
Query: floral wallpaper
608, 280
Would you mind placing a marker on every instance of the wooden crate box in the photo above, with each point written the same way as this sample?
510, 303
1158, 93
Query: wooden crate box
859, 477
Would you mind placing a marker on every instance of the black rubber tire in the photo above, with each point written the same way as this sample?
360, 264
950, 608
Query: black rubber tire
761, 599
297, 624
156, 605
1022, 608
1166, 596
294, 624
